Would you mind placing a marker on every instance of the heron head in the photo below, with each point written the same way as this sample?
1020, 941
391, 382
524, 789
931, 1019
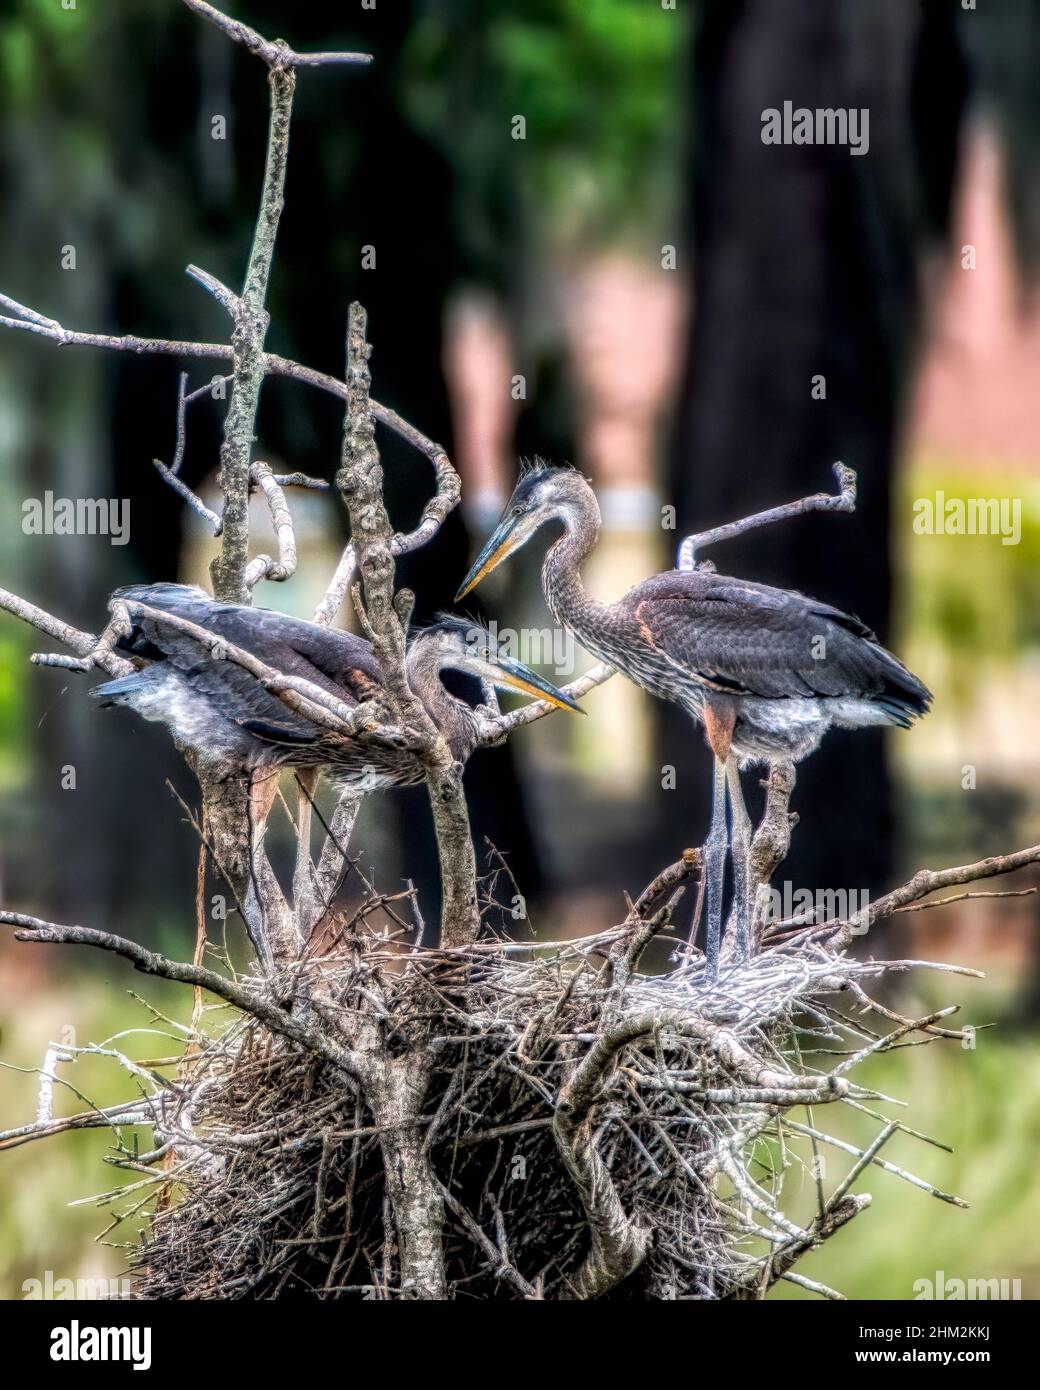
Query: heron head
542, 494
460, 644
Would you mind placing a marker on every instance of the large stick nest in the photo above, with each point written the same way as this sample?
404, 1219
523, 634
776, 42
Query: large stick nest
592, 1131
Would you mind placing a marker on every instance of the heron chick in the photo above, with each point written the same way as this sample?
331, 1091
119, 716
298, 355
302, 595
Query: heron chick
766, 671
222, 711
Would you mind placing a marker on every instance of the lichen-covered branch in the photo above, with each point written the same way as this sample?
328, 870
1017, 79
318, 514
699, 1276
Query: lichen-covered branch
263, 566
396, 1091
250, 320
360, 481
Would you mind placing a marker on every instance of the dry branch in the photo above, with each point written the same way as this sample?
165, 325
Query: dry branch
251, 1001
360, 482
250, 320
844, 500
263, 566
275, 53
927, 881
84, 644
447, 486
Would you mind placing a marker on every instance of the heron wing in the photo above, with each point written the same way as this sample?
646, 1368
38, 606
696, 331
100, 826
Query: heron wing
339, 662
751, 639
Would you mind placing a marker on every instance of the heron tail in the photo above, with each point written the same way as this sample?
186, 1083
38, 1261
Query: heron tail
904, 698
117, 692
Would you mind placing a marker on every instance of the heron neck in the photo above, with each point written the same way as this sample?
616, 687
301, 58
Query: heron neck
453, 717
568, 600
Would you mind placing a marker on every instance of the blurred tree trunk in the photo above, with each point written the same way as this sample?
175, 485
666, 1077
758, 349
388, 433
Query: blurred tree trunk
805, 263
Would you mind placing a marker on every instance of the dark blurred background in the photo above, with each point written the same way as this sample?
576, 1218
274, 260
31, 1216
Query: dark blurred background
639, 285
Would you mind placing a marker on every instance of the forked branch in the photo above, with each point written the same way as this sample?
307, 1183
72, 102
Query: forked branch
844, 500
276, 53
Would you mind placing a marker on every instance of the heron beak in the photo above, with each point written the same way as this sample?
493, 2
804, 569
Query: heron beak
500, 544
514, 675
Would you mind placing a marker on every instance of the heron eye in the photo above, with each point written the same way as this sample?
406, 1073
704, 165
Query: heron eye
487, 652
518, 511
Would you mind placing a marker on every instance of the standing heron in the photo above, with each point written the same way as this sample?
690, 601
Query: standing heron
766, 671
223, 712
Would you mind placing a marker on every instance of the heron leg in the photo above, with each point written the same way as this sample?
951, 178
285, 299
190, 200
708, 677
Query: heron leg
740, 845
715, 869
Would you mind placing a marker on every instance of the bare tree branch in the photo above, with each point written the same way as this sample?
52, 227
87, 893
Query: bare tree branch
84, 644
842, 501
925, 881
275, 53
250, 1001
193, 500
487, 1247
127, 1112
250, 319
444, 500
650, 914
617, 1245
820, 1230
182, 423
360, 481
262, 566
45, 1097
447, 480
498, 729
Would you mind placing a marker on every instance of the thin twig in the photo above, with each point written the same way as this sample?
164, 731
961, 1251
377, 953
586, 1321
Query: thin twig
275, 53
250, 1001
927, 881
842, 501
262, 566
193, 500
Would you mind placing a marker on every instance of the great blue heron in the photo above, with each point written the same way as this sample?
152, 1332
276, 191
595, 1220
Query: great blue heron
766, 671
224, 712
